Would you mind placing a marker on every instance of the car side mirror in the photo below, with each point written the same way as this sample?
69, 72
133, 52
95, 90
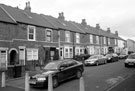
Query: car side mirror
61, 68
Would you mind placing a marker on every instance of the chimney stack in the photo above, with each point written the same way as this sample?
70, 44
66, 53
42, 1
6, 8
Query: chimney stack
84, 23
108, 30
61, 16
116, 33
28, 8
97, 26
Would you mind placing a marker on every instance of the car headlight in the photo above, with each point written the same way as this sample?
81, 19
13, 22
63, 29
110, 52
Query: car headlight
41, 79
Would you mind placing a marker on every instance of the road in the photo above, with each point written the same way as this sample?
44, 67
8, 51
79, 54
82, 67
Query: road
96, 78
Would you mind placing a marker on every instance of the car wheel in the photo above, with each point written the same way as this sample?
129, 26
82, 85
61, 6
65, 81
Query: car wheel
78, 74
55, 82
105, 61
97, 63
126, 65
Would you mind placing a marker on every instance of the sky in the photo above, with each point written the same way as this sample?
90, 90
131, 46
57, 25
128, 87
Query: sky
119, 15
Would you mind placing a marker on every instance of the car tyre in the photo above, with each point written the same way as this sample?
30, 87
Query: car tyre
55, 82
78, 74
126, 65
97, 63
105, 61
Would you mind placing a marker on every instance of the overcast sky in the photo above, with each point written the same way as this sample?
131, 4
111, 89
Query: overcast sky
117, 14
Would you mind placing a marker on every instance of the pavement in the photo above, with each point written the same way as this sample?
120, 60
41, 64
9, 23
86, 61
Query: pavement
126, 85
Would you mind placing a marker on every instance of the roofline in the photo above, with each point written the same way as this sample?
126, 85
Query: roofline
8, 14
37, 25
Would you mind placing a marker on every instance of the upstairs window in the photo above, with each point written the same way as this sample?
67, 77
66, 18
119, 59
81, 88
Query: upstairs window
104, 40
108, 41
115, 41
91, 38
97, 39
31, 33
67, 36
48, 35
77, 38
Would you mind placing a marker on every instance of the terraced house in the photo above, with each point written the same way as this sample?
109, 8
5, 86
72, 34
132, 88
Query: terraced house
28, 39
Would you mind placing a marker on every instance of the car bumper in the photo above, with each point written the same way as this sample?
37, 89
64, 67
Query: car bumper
89, 63
130, 63
35, 83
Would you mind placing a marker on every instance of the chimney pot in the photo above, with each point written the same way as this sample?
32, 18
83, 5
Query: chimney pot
108, 30
84, 23
97, 26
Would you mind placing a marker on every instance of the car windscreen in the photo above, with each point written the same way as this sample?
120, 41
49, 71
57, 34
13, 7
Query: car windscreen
131, 56
93, 57
52, 65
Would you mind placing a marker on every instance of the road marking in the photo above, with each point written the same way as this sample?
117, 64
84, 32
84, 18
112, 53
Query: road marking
114, 85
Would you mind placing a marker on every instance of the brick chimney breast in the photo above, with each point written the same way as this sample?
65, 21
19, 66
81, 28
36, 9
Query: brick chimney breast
61, 16
116, 33
97, 26
84, 23
27, 7
108, 30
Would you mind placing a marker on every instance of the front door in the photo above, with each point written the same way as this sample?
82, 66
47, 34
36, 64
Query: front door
61, 53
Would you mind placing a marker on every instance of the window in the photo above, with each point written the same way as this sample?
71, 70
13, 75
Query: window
68, 52
77, 51
97, 39
32, 54
91, 38
31, 33
104, 40
48, 35
3, 59
108, 41
22, 56
67, 36
81, 51
77, 38
115, 41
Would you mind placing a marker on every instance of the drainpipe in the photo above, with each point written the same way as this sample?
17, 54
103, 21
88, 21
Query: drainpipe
73, 45
59, 42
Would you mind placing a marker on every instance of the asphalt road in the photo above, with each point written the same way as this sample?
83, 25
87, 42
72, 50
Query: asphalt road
97, 78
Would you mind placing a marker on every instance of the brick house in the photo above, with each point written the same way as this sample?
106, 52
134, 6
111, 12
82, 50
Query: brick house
26, 38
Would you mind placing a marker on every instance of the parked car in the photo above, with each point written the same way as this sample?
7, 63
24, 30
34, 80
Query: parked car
112, 57
96, 60
62, 70
130, 61
123, 56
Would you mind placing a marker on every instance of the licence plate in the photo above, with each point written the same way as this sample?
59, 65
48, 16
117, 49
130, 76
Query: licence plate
32, 82
130, 63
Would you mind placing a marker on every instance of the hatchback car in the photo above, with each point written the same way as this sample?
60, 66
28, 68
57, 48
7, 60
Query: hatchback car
130, 61
112, 57
96, 60
62, 70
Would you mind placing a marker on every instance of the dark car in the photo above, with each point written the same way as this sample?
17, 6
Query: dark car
112, 57
62, 70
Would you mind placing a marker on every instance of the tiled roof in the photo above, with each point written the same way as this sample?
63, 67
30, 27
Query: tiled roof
5, 17
86, 28
23, 16
70, 26
54, 21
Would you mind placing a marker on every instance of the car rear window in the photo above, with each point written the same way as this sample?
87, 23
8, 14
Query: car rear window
131, 56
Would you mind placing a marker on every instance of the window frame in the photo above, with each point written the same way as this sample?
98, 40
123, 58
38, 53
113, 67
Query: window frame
67, 36
50, 36
91, 39
34, 33
77, 37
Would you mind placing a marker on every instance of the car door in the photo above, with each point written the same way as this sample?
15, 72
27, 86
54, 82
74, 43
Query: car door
72, 68
63, 71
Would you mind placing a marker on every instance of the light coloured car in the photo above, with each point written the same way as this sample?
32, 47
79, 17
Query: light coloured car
96, 60
130, 61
